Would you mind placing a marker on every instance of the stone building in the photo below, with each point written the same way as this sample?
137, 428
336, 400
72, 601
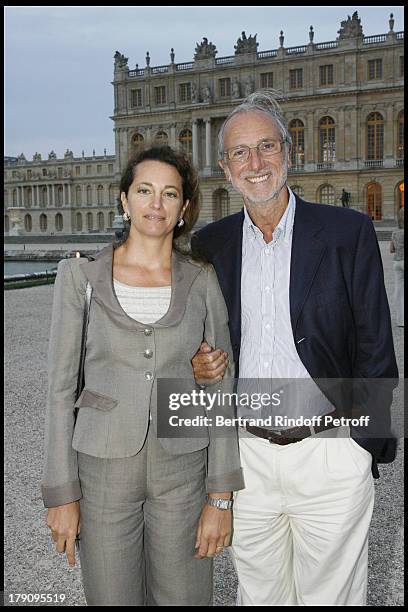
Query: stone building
342, 101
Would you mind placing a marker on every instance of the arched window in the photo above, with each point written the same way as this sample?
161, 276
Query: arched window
60, 196
43, 222
78, 222
221, 204
400, 140
374, 201
111, 218
14, 197
136, 144
78, 195
89, 195
6, 223
89, 221
327, 140
297, 132
326, 194
43, 197
161, 138
100, 195
375, 136
101, 221
186, 142
28, 223
29, 197
112, 194
298, 190
59, 224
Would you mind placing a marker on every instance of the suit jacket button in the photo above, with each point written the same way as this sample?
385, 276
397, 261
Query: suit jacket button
148, 331
148, 354
148, 375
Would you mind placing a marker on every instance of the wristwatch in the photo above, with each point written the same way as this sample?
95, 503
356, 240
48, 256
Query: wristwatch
221, 504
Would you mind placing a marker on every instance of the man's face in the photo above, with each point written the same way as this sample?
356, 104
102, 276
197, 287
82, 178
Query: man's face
260, 178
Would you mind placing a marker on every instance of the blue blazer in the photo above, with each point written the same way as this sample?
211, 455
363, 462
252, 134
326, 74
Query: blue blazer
338, 304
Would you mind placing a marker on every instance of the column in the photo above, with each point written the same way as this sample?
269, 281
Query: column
389, 135
48, 195
309, 142
340, 138
195, 142
208, 151
54, 194
37, 189
173, 135
69, 194
20, 196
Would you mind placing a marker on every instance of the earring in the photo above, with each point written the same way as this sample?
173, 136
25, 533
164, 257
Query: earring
126, 216
180, 223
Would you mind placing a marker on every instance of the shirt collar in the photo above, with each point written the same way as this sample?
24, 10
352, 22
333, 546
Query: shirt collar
284, 227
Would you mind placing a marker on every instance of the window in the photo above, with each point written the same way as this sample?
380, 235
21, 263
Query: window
60, 196
112, 192
374, 69
298, 190
99, 169
14, 197
43, 223
101, 222
225, 88
110, 168
375, 136
111, 218
78, 170
14, 173
78, 222
160, 95
43, 197
186, 141
89, 196
137, 144
89, 221
59, 172
6, 223
59, 222
89, 169
44, 171
297, 132
28, 223
29, 174
327, 140
266, 79
185, 92
100, 195
400, 146
221, 204
326, 195
78, 195
29, 197
296, 78
161, 138
326, 74
135, 98
374, 201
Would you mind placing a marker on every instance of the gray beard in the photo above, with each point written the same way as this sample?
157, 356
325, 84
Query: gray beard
273, 196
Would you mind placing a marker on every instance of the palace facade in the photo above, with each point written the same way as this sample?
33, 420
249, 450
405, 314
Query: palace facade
342, 101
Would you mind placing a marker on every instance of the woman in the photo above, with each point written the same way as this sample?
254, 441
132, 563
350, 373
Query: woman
397, 247
138, 499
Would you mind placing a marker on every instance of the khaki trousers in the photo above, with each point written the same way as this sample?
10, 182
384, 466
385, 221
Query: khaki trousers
139, 518
301, 524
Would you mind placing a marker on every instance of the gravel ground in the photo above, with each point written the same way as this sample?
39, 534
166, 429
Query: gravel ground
33, 566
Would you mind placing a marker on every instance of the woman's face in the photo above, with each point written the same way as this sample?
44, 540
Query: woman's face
155, 198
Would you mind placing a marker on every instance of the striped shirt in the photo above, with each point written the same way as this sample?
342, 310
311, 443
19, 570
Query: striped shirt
144, 304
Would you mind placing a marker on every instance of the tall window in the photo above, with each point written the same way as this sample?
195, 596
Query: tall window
135, 98
14, 197
89, 195
43, 222
326, 74
111, 218
77, 170
224, 88
327, 140
60, 196
326, 194
43, 197
112, 192
374, 201
100, 195
160, 95
161, 138
89, 221
136, 143
99, 169
296, 78
221, 204
186, 141
374, 69
78, 222
101, 222
59, 222
29, 197
266, 79
6, 223
28, 223
78, 195
185, 92
375, 136
89, 169
297, 132
400, 146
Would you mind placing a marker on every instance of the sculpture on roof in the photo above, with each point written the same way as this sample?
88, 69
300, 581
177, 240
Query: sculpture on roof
52, 155
350, 27
246, 45
205, 50
68, 153
37, 156
121, 62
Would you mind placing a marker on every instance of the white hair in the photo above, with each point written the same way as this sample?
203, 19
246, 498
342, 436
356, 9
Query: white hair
265, 100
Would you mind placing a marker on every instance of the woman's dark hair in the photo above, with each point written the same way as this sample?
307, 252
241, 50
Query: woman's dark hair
189, 179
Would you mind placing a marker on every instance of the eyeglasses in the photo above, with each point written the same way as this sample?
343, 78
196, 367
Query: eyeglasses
266, 148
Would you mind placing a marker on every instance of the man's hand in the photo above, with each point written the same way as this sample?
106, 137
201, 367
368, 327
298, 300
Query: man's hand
214, 530
209, 365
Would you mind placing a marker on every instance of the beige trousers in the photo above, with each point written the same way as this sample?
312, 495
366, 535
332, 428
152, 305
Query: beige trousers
301, 524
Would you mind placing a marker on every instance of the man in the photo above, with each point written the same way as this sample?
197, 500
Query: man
304, 288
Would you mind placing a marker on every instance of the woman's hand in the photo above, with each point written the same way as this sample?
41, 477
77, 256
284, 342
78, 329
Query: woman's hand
214, 531
64, 522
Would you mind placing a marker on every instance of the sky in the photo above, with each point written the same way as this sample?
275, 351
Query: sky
59, 59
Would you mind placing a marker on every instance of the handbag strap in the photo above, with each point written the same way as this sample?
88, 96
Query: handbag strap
85, 321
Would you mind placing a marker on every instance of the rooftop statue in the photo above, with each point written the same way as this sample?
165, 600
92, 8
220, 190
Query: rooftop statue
246, 45
68, 153
52, 155
37, 157
205, 50
351, 27
120, 61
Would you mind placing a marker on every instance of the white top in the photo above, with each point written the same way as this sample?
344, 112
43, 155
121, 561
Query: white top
267, 345
144, 304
